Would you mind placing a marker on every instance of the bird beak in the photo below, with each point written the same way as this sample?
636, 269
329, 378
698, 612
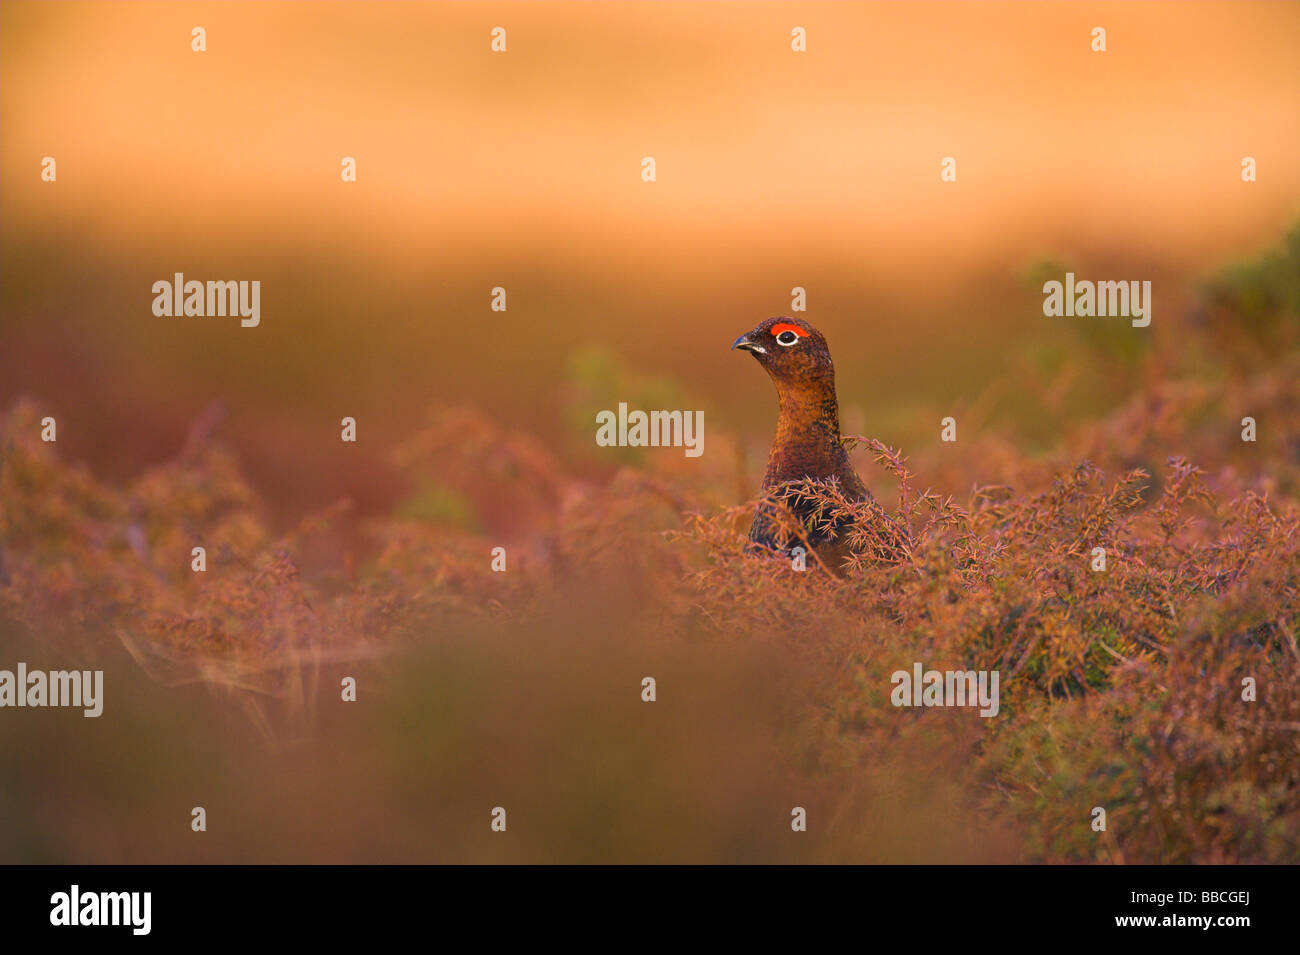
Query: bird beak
745, 343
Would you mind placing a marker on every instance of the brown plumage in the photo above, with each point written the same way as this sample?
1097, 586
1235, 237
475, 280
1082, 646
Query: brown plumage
807, 446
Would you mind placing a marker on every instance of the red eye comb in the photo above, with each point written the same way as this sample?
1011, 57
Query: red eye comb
787, 327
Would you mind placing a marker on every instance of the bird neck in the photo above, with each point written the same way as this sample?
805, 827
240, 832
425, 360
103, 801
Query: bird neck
807, 442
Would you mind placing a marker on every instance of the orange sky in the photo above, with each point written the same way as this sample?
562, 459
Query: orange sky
756, 146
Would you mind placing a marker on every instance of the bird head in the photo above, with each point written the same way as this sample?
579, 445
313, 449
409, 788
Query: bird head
792, 352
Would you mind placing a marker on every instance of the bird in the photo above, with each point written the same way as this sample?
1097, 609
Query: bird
807, 448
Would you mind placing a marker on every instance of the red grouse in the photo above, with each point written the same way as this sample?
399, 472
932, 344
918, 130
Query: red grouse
807, 448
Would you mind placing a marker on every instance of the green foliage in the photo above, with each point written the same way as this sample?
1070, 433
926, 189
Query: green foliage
437, 504
1260, 298
597, 379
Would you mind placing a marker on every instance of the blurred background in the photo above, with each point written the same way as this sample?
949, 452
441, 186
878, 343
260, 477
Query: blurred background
522, 169
775, 169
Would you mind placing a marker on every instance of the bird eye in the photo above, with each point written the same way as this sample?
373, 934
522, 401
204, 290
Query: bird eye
787, 338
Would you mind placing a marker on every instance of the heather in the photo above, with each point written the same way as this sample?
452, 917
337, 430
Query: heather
1121, 688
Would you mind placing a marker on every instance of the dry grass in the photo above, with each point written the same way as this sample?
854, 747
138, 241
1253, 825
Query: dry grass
1120, 688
